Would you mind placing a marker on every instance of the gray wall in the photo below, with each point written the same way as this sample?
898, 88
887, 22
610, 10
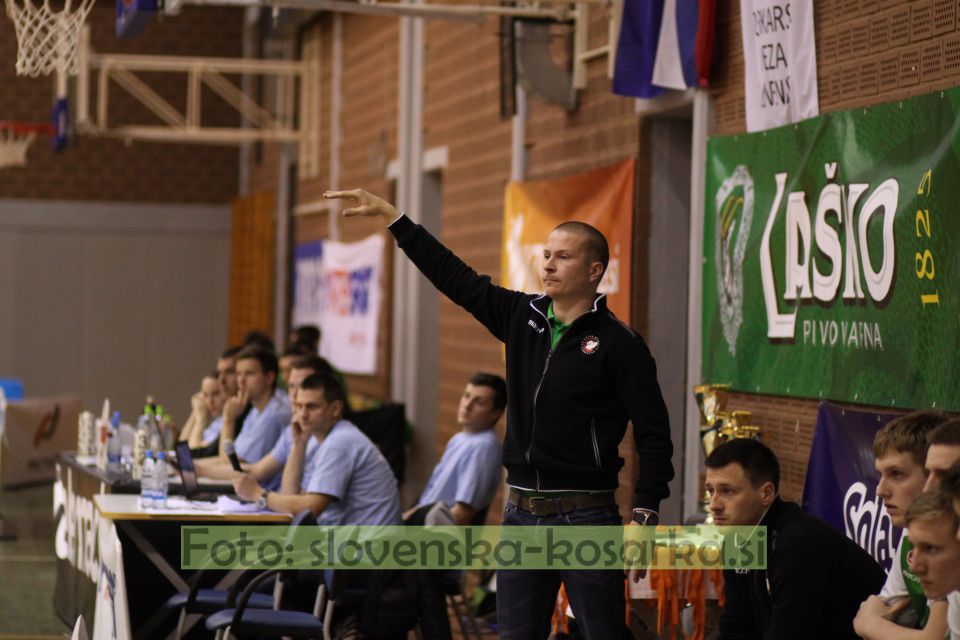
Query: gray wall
670, 140
112, 299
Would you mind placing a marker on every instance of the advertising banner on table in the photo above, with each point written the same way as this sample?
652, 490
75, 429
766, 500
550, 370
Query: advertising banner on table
831, 257
780, 62
338, 287
602, 198
841, 483
34, 431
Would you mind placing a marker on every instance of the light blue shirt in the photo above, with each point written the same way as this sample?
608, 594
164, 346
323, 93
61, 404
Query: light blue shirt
213, 430
349, 467
468, 471
261, 430
281, 453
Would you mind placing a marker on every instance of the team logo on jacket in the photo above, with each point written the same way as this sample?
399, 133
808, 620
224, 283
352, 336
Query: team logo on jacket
589, 345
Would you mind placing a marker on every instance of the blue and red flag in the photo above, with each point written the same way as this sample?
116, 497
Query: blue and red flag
664, 44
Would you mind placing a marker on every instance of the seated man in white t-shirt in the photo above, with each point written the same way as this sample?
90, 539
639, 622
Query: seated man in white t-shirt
935, 558
468, 474
950, 485
344, 480
902, 610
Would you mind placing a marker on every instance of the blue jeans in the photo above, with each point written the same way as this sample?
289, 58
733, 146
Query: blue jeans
526, 599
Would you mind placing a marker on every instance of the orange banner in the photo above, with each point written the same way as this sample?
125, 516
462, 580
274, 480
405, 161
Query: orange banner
602, 198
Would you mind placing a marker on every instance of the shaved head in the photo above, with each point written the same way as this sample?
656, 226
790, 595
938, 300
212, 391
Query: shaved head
594, 244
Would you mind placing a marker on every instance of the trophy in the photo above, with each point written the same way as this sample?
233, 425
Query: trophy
712, 400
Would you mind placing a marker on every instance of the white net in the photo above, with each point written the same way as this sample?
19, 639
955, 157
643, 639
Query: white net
46, 38
13, 147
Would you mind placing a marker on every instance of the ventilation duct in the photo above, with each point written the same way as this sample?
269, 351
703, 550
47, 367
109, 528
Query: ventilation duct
536, 69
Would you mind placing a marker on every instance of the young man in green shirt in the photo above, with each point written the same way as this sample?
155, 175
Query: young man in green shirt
901, 610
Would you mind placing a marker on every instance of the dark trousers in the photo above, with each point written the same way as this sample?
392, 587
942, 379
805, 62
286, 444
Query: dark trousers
526, 598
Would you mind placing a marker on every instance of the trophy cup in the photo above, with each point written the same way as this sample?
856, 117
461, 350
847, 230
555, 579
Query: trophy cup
712, 400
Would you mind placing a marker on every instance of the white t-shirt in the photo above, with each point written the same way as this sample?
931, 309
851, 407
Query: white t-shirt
953, 614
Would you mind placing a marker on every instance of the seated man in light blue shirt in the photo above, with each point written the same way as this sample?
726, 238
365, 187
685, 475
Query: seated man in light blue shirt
346, 480
267, 470
465, 480
468, 474
268, 415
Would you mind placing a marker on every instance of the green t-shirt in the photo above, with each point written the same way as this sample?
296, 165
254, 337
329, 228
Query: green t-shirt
912, 582
557, 328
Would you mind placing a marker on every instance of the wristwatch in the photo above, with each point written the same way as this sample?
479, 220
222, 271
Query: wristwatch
262, 500
646, 517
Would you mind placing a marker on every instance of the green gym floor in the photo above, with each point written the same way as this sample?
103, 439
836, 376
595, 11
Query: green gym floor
28, 567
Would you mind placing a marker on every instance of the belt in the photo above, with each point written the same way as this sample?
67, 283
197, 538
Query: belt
540, 505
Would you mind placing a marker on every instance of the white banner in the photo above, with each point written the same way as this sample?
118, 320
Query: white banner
338, 287
780, 62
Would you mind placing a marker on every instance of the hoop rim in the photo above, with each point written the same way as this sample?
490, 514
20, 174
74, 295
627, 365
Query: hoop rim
24, 127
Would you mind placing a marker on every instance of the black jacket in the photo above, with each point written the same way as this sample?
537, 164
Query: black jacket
567, 409
814, 583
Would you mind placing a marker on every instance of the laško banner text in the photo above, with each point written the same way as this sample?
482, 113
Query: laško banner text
830, 256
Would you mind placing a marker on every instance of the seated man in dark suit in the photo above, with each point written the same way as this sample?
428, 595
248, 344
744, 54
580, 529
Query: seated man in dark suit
815, 577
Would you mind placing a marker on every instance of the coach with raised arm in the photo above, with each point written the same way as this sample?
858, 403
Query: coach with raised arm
575, 376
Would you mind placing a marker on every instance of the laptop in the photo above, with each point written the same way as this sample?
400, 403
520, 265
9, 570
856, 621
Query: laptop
191, 487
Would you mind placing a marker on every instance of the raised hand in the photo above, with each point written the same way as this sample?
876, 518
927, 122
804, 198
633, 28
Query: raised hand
300, 435
364, 204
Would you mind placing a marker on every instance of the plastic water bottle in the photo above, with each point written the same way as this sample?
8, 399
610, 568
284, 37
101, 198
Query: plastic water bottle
161, 482
140, 446
146, 481
114, 451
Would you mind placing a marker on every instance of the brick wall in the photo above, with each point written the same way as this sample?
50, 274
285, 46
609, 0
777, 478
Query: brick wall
95, 168
868, 52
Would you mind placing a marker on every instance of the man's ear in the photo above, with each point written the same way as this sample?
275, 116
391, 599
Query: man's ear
767, 493
596, 272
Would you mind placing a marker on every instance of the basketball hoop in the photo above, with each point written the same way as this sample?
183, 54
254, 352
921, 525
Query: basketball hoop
16, 138
47, 40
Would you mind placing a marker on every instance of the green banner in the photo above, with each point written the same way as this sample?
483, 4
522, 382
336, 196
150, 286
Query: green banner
831, 264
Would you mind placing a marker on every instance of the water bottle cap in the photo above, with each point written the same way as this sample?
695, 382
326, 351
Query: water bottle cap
161, 455
149, 454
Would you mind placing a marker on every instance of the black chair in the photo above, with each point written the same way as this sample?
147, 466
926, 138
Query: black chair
246, 621
386, 427
206, 602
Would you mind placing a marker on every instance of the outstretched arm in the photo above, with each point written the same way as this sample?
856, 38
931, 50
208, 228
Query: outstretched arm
488, 303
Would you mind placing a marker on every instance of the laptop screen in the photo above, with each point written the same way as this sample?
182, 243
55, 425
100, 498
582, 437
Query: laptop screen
187, 473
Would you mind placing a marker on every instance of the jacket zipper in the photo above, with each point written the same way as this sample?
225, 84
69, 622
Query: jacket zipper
593, 437
536, 392
533, 426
